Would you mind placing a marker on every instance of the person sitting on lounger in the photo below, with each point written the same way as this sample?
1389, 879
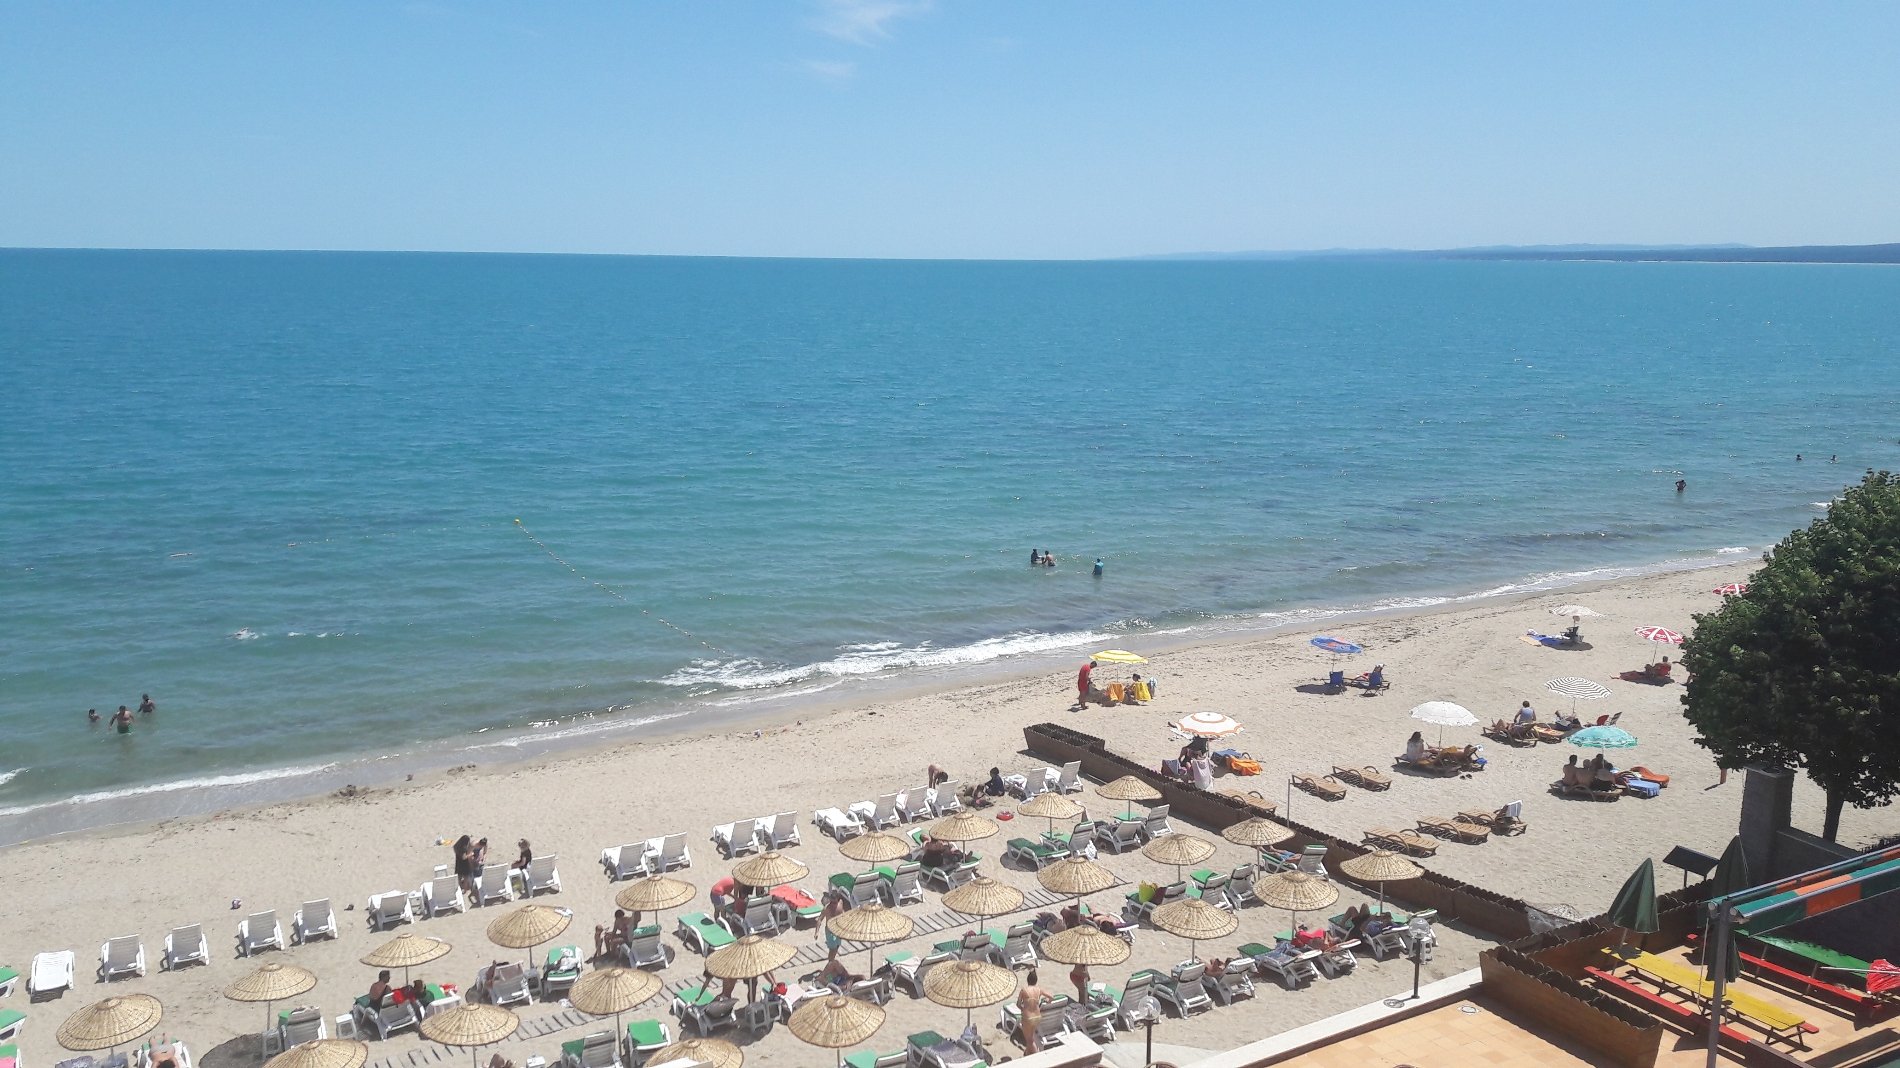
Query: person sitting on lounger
1415, 747
1372, 680
609, 938
379, 989
939, 854
1216, 968
1602, 775
1070, 916
1574, 774
1658, 670
1311, 938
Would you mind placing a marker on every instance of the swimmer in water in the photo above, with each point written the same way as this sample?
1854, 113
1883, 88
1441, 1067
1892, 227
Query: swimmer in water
92, 716
146, 705
122, 720
1035, 558
1681, 484
1098, 567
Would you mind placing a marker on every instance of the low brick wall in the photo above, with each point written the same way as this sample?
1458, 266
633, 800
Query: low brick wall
1502, 918
1626, 1035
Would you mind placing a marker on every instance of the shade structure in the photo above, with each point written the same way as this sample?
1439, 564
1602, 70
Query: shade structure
527, 926
1195, 920
1605, 737
1574, 610
968, 985
1049, 805
875, 847
1634, 907
1118, 656
984, 896
871, 923
1381, 866
748, 957
1178, 849
406, 951
271, 983
1085, 944
653, 893
835, 1022
965, 826
769, 869
1296, 892
1257, 832
470, 1025
1208, 724
1336, 645
1661, 635
322, 1053
112, 1022
1075, 876
1731, 589
612, 991
1128, 788
1443, 714
1578, 688
713, 1051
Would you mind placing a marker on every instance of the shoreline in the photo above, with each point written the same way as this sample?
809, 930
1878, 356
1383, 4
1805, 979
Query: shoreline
730, 714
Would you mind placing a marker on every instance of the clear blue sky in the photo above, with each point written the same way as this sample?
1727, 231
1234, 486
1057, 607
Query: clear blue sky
956, 128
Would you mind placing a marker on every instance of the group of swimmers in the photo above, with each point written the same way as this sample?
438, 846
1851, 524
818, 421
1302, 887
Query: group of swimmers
122, 719
1045, 558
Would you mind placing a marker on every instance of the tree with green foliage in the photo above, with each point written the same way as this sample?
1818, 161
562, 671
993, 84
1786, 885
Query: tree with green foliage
1803, 669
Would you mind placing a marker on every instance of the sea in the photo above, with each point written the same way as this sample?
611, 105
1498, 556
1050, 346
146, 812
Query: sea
347, 517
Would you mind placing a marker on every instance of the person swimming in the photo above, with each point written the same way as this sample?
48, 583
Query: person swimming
1035, 558
1098, 567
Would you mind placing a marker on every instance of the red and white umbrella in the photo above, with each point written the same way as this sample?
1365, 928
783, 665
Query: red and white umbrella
1659, 634
1731, 589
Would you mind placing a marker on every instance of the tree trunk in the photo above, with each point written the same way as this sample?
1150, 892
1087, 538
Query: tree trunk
1831, 828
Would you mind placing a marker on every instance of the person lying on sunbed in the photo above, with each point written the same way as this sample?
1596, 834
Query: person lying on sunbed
938, 853
1564, 721
1312, 938
1658, 670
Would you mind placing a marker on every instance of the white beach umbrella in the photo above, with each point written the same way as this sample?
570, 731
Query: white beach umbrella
1574, 610
1578, 689
1444, 714
1208, 725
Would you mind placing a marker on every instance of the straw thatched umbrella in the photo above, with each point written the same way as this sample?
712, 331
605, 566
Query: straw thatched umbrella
1296, 892
528, 927
110, 1023
1051, 806
1257, 832
405, 951
1128, 788
716, 1052
322, 1053
1075, 876
871, 924
612, 991
768, 869
1381, 866
965, 826
1085, 944
271, 983
835, 1022
968, 985
471, 1025
1194, 919
655, 894
875, 848
1178, 850
748, 958
982, 897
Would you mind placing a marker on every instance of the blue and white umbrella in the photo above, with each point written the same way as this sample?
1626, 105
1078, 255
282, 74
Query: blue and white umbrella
1603, 738
1336, 645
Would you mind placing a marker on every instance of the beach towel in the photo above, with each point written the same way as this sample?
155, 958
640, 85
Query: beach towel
1545, 640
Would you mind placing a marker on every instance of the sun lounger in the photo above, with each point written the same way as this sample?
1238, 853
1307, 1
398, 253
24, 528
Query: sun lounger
1018, 947
878, 814
1368, 777
868, 1058
1428, 764
948, 879
944, 799
646, 1037
1563, 789
1033, 855
9, 978
1510, 733
562, 970
185, 945
837, 823
1327, 788
1233, 984
391, 1017
1405, 841
1506, 820
1074, 841
623, 861
507, 986
914, 804
387, 909
703, 933
1214, 888
902, 884
300, 1025
258, 931
1155, 824
928, 1049
1053, 1022
1029, 784
737, 838
1135, 909
907, 969
121, 956
1120, 835
699, 1008
541, 876
1184, 989
443, 894
1068, 779
311, 921
782, 831
667, 853
1259, 803
1292, 967
11, 1024
596, 1050
494, 886
1457, 830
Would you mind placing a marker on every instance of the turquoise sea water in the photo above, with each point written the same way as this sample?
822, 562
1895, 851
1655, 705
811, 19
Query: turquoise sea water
278, 490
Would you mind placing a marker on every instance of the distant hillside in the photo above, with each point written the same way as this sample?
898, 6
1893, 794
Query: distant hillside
1888, 253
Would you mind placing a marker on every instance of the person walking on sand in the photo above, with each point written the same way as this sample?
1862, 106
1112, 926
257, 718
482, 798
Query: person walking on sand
1083, 681
1029, 1002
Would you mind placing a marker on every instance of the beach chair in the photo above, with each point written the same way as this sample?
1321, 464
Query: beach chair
1367, 777
562, 970
759, 918
1325, 788
875, 989
913, 805
1054, 1021
944, 799
542, 876
1510, 733
782, 831
1214, 889
9, 979
867, 887
1403, 841
1563, 789
1291, 966
1274, 860
1009, 1019
907, 969
311, 921
622, 861
1121, 836
645, 948
596, 1050
1130, 1011
1429, 764
1240, 885
1135, 909
1068, 779
878, 814
507, 985
903, 883
301, 1025
948, 879
443, 895
1454, 829
1033, 855
1019, 947
869, 1058
668, 852
1185, 990
1155, 824
259, 931
1075, 841
121, 956
1313, 861
185, 945
11, 1024
1234, 983
387, 909
699, 1008
837, 823
703, 933
737, 838
385, 1021
928, 1049
645, 1038
1095, 1022
493, 886
977, 945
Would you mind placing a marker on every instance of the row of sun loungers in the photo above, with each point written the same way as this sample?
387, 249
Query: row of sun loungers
740, 837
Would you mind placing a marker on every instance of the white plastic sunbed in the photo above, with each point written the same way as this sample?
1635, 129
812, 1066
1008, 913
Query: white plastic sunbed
493, 885
52, 973
837, 823
624, 861
783, 830
914, 804
737, 838
542, 875
442, 895
186, 945
389, 908
877, 814
943, 797
121, 956
667, 853
259, 930
313, 920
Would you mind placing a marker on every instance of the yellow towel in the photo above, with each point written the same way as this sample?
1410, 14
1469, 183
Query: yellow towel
1142, 693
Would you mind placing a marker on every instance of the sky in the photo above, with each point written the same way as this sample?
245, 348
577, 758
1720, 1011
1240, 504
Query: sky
944, 128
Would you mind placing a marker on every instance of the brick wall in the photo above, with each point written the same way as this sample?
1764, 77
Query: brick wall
1617, 1031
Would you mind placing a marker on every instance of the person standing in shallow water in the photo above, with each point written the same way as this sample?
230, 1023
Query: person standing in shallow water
147, 706
1682, 484
122, 720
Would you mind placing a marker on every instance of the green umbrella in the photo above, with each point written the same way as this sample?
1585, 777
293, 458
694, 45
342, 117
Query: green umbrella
1730, 877
1635, 906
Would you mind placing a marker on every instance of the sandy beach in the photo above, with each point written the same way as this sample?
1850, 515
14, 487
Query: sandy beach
75, 892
